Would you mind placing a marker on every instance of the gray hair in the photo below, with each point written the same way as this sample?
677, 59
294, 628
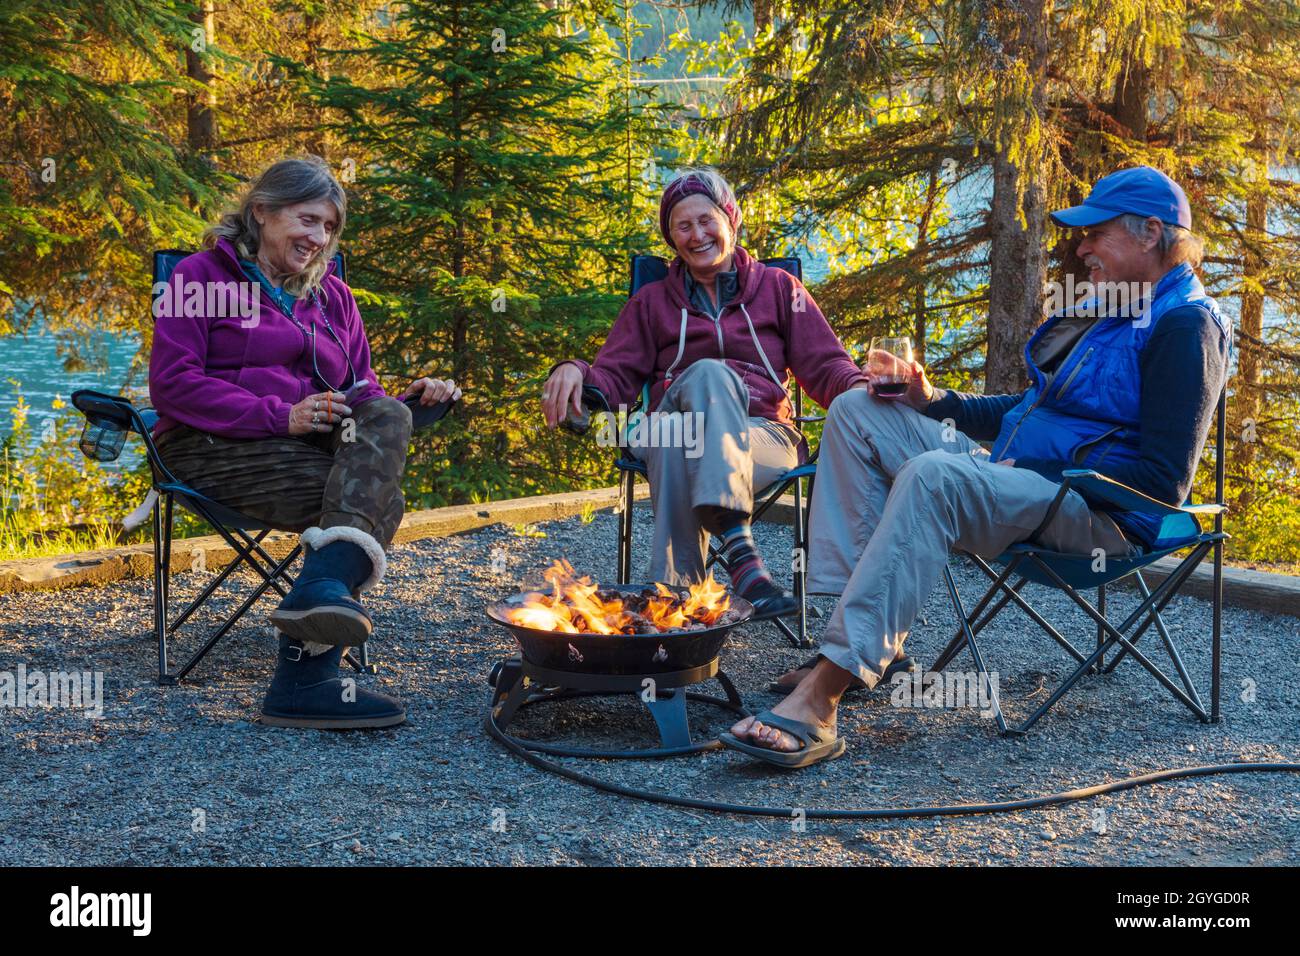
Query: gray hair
286, 183
1175, 245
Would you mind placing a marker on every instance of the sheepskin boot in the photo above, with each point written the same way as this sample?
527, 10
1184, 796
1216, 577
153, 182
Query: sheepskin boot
307, 691
320, 608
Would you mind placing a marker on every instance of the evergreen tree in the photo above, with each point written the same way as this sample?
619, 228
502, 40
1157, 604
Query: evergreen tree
1043, 100
89, 177
498, 191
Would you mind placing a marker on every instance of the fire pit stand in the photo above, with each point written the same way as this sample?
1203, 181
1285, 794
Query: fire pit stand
518, 683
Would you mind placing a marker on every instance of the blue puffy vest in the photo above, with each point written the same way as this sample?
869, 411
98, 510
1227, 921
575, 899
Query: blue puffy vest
1089, 416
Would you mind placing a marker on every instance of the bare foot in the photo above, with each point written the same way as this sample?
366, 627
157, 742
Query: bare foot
792, 679
814, 702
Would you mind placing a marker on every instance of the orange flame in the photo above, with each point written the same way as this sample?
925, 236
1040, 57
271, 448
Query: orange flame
575, 606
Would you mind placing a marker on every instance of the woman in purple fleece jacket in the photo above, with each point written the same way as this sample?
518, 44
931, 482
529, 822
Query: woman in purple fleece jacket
717, 341
260, 373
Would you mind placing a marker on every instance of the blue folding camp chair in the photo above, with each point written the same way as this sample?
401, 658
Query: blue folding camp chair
109, 419
646, 268
1071, 573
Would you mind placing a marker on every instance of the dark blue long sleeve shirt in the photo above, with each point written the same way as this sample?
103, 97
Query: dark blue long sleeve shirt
1183, 368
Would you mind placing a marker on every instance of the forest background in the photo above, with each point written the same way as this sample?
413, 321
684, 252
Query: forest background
503, 161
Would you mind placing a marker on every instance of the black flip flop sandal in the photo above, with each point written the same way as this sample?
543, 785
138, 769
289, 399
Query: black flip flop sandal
818, 743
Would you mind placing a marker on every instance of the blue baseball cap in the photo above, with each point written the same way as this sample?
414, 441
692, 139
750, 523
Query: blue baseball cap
1142, 191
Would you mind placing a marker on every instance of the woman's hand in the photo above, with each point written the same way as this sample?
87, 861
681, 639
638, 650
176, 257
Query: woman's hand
432, 390
879, 364
562, 392
318, 413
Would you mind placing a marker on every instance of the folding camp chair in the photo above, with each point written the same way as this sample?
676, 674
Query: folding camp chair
114, 415
646, 268
1071, 573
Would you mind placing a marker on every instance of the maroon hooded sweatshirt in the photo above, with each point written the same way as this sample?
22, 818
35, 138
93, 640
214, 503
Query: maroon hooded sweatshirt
770, 329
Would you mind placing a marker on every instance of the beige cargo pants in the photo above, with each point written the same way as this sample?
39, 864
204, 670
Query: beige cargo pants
895, 493
730, 456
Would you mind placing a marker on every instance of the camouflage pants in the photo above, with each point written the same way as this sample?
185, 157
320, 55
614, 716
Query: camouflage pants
299, 482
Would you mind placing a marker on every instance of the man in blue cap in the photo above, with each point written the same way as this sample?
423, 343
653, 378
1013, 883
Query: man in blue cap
1128, 389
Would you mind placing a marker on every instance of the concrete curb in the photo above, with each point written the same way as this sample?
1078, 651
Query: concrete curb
1256, 590
136, 561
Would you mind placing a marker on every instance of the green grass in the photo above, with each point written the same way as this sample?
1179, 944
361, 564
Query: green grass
16, 545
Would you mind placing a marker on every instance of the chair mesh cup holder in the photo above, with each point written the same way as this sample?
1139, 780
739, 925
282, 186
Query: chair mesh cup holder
102, 439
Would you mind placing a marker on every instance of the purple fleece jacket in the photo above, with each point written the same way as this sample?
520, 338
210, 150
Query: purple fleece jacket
644, 342
208, 371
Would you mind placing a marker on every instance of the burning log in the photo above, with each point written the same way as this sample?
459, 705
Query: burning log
577, 605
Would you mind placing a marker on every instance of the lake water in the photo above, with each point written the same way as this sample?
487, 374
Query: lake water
32, 363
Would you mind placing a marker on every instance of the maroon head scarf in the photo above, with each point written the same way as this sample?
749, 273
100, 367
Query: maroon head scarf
690, 185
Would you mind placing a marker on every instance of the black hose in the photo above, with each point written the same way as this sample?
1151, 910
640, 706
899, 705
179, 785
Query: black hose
521, 748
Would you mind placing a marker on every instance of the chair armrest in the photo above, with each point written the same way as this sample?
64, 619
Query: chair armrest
426, 416
593, 400
1123, 498
100, 406
804, 419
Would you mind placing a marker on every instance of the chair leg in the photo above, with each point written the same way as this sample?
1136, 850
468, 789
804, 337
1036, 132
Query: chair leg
958, 641
167, 557
1216, 614
1170, 648
358, 658
1155, 618
969, 636
955, 645
268, 578
160, 572
801, 562
1119, 635
1101, 633
628, 481
1013, 593
245, 552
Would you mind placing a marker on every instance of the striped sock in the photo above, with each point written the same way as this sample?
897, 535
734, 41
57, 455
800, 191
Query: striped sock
749, 577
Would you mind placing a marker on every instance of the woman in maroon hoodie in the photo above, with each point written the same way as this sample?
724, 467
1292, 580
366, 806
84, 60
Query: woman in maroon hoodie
717, 341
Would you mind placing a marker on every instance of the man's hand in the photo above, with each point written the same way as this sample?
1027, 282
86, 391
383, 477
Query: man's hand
879, 364
1009, 462
432, 390
318, 413
562, 392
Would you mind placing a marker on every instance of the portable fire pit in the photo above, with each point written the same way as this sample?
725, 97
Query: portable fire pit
585, 640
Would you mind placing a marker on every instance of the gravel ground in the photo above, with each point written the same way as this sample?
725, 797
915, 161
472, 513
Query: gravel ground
185, 775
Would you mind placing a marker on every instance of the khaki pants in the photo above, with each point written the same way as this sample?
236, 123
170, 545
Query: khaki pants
737, 455
295, 483
895, 492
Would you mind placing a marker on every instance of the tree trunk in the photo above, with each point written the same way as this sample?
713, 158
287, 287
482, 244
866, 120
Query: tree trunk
1131, 91
1016, 273
1130, 108
313, 35
1247, 394
920, 330
1017, 265
201, 109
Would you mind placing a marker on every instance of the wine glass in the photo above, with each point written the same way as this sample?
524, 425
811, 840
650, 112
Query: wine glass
889, 362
